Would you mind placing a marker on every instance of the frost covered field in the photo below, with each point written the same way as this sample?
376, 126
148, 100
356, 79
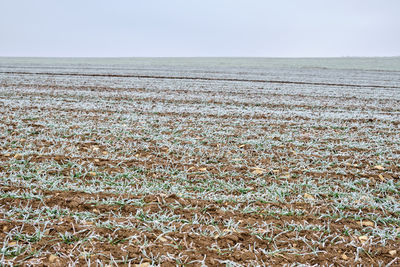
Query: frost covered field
237, 162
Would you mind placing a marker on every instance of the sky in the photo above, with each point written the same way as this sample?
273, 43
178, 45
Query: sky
199, 28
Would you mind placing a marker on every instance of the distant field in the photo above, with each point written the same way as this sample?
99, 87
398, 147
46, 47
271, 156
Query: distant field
237, 162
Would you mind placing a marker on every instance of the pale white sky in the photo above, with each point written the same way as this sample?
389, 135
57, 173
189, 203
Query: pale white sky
265, 28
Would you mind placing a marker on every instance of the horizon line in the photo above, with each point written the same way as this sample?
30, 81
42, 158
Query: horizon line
275, 57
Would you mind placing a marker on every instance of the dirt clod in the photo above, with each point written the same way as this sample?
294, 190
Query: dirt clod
53, 258
392, 252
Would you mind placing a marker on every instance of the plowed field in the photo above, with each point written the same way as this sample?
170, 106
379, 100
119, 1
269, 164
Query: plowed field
169, 165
